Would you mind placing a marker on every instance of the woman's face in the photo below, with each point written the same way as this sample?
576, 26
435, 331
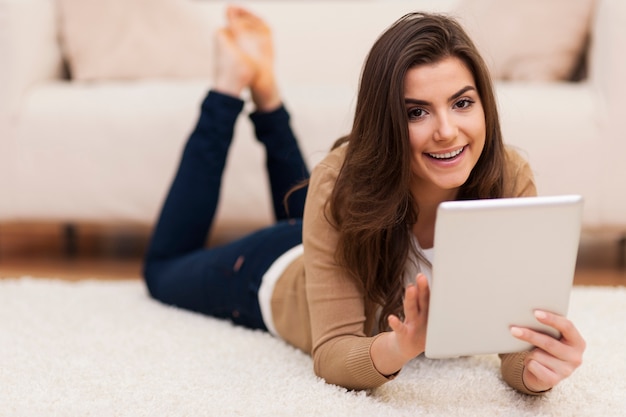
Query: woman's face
446, 125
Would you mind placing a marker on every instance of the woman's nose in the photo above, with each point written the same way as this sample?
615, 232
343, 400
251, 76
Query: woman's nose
446, 128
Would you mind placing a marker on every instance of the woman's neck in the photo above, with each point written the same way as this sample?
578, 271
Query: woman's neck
427, 202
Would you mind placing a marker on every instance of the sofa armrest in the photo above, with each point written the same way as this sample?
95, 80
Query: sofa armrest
607, 68
607, 64
29, 48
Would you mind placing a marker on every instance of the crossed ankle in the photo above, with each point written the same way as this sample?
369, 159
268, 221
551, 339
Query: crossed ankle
265, 94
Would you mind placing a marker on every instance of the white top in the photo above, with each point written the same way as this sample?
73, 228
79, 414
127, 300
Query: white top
416, 265
269, 282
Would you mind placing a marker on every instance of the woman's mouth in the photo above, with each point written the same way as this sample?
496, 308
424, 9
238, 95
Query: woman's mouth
447, 156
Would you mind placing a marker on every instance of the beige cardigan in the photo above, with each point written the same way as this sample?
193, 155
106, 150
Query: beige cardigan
318, 308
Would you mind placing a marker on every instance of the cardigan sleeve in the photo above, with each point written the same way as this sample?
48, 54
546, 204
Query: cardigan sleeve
512, 368
337, 307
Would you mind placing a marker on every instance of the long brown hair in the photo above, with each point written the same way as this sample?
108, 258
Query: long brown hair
371, 203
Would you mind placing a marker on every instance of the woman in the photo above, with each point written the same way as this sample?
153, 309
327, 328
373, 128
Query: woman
426, 130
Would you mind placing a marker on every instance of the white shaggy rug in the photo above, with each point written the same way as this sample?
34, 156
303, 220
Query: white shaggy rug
103, 348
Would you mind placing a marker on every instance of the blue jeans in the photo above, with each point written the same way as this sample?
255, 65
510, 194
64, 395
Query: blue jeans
223, 281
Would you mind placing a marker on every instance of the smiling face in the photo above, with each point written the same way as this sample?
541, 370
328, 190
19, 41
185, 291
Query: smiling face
446, 126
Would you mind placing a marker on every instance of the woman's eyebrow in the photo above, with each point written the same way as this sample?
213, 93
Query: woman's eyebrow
461, 92
451, 98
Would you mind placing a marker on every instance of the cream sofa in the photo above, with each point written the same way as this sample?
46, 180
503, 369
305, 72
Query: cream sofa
106, 149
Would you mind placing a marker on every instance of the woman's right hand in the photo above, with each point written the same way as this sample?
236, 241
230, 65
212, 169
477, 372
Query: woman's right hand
411, 333
408, 338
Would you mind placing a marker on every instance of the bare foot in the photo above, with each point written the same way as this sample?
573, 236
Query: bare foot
234, 70
254, 38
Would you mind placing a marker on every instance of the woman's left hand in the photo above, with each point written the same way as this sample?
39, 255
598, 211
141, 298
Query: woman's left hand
552, 360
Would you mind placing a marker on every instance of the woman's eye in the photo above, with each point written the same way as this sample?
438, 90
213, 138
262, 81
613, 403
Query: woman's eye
416, 113
463, 103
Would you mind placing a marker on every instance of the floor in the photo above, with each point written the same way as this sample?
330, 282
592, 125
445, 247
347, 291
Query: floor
97, 252
71, 253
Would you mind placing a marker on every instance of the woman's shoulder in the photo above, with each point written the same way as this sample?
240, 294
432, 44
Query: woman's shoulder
519, 180
515, 160
329, 167
323, 180
333, 161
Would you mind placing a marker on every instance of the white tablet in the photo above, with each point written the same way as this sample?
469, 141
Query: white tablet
495, 262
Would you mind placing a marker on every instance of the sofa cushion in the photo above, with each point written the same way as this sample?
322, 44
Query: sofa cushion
537, 40
128, 39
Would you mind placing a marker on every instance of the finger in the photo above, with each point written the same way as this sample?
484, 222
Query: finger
411, 313
545, 342
560, 368
544, 375
569, 333
423, 295
395, 323
540, 340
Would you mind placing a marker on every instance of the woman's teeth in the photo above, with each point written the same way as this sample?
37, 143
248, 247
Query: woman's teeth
446, 155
